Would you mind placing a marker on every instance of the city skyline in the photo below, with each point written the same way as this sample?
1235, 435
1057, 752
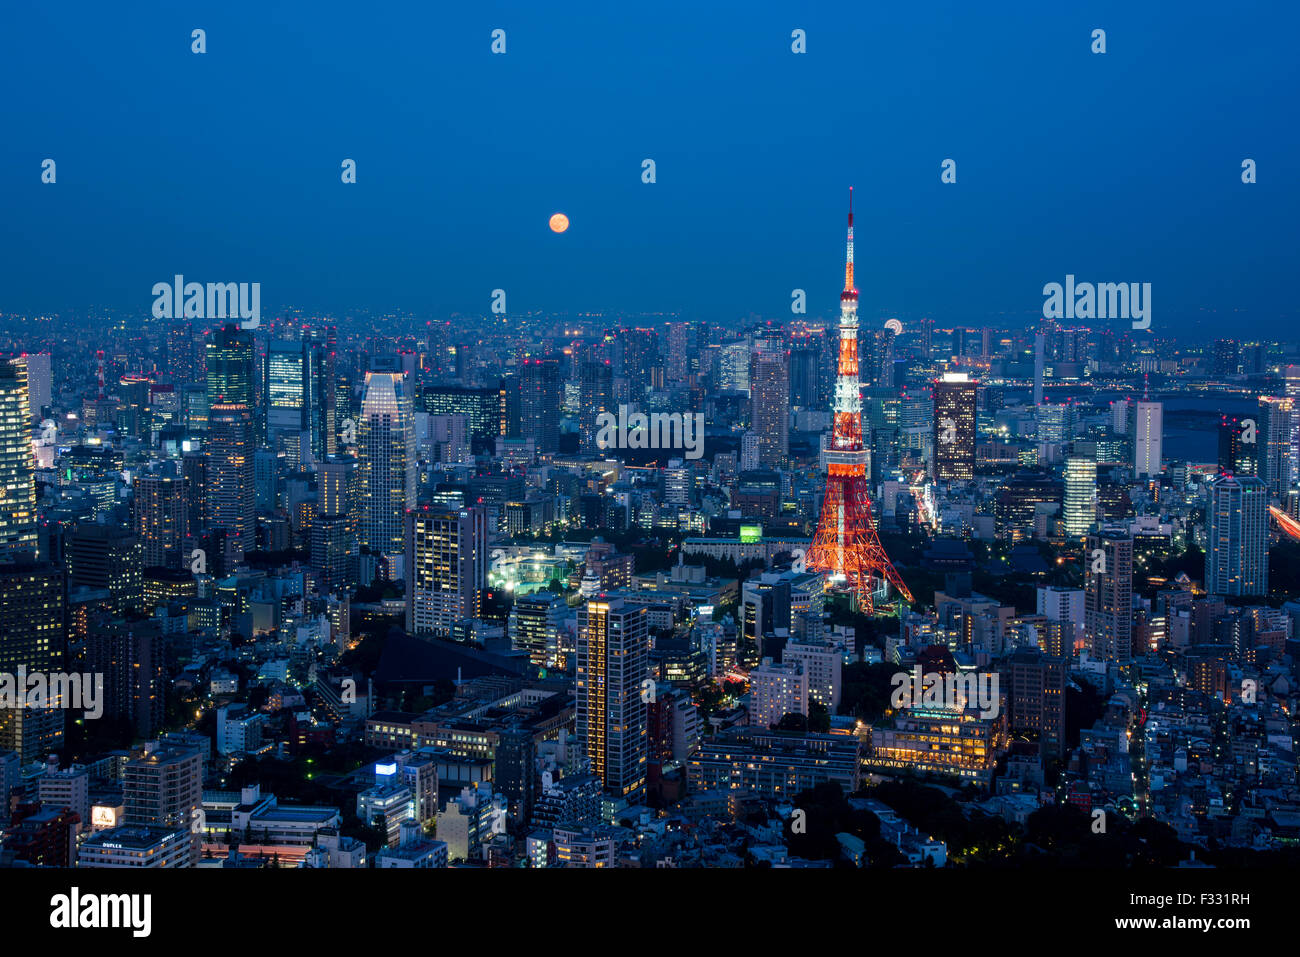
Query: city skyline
471, 440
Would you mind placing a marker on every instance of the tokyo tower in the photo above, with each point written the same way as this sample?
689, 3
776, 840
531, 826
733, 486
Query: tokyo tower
846, 544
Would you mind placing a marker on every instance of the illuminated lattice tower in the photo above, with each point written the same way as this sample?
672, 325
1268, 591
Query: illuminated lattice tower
846, 545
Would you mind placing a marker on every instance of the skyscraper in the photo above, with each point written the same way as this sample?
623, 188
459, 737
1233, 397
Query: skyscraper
108, 558
483, 406
954, 427
733, 366
595, 395
880, 355
130, 656
229, 485
641, 362
683, 351
159, 514
535, 624
805, 372
17, 463
1080, 509
386, 451
1226, 358
295, 400
540, 391
1236, 454
1108, 594
446, 567
180, 352
229, 361
40, 382
33, 636
613, 650
1148, 438
1274, 443
1236, 552
769, 394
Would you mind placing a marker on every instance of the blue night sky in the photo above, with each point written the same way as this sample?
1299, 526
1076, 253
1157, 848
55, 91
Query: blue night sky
225, 167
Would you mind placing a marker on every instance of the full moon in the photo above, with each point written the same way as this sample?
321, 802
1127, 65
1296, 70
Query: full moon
559, 223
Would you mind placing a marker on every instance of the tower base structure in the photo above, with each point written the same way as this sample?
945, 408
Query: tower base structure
846, 546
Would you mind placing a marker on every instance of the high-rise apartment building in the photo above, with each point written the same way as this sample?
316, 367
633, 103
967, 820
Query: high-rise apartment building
769, 394
1035, 684
163, 788
181, 364
1148, 438
777, 689
40, 382
611, 687
1108, 594
1236, 551
159, 517
535, 624
1275, 444
129, 655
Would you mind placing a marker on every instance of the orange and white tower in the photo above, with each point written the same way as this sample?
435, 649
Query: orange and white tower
846, 545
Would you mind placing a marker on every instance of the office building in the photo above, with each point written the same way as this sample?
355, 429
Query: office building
17, 463
446, 567
229, 477
1080, 510
33, 608
106, 557
769, 394
954, 427
386, 451
540, 394
595, 395
229, 362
